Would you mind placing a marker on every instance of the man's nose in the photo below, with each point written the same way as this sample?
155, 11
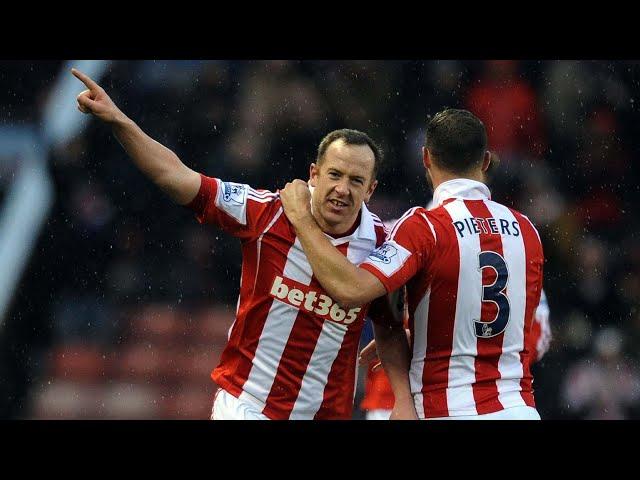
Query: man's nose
342, 188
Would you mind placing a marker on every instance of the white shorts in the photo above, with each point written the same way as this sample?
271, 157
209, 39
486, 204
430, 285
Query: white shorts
227, 407
378, 414
513, 413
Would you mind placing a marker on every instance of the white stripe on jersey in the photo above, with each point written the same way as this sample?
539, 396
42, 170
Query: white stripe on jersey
259, 245
433, 230
263, 193
330, 341
260, 200
509, 365
276, 330
532, 226
462, 375
420, 325
400, 221
315, 379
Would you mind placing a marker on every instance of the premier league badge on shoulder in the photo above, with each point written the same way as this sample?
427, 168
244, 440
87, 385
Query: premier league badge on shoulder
384, 253
234, 193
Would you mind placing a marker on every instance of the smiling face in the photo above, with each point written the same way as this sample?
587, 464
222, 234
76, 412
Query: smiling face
343, 179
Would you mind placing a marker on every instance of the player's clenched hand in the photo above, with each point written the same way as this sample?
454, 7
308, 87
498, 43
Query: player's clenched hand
94, 100
296, 200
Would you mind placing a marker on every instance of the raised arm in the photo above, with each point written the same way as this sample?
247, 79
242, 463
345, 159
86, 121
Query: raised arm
349, 285
157, 162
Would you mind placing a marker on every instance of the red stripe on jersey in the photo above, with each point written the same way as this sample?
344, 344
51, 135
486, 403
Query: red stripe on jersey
341, 378
485, 388
295, 358
442, 316
293, 365
236, 359
534, 258
401, 220
337, 400
381, 234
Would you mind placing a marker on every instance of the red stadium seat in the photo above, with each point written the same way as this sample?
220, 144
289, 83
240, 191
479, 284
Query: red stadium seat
156, 323
189, 402
139, 361
80, 362
197, 361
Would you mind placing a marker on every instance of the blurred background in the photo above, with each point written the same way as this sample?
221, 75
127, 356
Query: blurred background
115, 303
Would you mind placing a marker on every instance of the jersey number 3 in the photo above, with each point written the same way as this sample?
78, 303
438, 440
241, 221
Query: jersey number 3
494, 293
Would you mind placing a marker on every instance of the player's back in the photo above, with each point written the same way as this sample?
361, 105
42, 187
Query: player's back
470, 324
475, 274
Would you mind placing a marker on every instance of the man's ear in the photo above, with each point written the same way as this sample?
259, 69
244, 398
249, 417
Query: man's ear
490, 161
314, 171
372, 188
426, 158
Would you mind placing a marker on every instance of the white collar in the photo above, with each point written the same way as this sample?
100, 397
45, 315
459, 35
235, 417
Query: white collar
366, 229
461, 188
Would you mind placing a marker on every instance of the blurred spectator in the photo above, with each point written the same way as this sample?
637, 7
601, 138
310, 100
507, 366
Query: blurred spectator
604, 386
508, 105
600, 163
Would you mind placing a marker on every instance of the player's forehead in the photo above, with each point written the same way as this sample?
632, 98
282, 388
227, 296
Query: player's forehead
349, 159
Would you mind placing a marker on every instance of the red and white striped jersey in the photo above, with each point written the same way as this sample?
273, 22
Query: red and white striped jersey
473, 270
291, 350
378, 394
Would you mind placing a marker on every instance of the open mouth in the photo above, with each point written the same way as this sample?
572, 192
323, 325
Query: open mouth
338, 203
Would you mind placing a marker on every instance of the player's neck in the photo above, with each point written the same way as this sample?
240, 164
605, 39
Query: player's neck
441, 176
338, 230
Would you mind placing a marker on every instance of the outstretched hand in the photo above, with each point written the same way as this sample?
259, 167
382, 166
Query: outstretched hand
296, 201
95, 100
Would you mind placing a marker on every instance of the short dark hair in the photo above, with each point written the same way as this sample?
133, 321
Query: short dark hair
457, 139
351, 137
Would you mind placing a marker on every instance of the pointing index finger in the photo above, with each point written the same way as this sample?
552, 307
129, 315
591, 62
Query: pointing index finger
93, 86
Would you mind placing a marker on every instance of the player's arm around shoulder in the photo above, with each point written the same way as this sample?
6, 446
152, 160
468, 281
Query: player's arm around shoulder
349, 285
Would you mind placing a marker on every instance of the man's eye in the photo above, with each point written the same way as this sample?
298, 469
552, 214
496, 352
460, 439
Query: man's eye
334, 174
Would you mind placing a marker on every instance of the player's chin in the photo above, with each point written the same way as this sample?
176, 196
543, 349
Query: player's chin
337, 214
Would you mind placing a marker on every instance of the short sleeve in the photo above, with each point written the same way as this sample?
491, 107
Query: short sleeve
234, 207
405, 252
